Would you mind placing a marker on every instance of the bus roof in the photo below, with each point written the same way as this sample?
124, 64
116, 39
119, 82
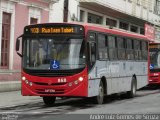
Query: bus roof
102, 28
115, 31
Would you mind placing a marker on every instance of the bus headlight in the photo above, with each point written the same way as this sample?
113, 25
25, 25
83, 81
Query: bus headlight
23, 78
80, 79
155, 74
30, 83
76, 82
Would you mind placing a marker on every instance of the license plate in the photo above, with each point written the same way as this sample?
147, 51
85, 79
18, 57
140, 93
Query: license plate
49, 90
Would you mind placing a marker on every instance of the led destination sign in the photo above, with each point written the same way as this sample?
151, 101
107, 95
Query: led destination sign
54, 30
154, 46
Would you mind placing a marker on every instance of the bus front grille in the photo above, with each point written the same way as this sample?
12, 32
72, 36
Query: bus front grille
53, 84
51, 74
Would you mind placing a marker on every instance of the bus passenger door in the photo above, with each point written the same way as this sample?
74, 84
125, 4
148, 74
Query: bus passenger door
91, 54
93, 83
91, 50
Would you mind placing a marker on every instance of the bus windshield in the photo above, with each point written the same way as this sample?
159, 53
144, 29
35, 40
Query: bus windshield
54, 53
154, 58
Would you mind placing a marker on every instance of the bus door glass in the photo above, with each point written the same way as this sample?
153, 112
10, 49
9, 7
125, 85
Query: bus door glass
91, 48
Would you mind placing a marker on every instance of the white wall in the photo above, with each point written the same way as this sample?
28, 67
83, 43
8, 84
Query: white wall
56, 12
131, 8
138, 10
73, 10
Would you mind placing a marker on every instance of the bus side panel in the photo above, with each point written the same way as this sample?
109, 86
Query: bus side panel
93, 87
118, 75
94, 77
141, 69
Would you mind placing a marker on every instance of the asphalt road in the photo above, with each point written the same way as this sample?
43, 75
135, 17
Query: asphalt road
147, 101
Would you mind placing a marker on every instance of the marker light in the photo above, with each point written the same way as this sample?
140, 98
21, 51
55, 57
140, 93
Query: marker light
70, 84
26, 81
23, 78
30, 84
80, 79
76, 82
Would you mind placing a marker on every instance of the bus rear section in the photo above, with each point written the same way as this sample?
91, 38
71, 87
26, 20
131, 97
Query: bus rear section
154, 70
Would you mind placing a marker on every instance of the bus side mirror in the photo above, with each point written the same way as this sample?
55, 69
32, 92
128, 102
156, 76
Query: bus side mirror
18, 45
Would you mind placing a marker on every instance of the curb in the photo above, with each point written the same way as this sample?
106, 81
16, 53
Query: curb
10, 86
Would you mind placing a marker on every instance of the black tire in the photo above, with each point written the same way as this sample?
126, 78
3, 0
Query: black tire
49, 100
132, 93
100, 98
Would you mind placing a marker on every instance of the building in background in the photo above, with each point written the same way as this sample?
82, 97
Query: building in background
14, 15
157, 25
130, 15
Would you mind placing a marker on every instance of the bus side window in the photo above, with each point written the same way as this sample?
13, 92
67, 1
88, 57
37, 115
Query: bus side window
112, 47
102, 47
129, 49
137, 49
121, 48
144, 50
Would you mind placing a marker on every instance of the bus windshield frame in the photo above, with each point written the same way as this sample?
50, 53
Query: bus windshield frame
39, 49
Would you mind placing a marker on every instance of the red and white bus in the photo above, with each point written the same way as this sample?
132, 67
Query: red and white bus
81, 60
154, 73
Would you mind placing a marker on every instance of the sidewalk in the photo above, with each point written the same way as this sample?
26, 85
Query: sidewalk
10, 86
15, 98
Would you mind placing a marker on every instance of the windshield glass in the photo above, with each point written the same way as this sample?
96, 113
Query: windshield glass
58, 53
154, 58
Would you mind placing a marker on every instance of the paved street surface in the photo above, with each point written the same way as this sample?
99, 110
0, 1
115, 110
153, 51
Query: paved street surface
24, 108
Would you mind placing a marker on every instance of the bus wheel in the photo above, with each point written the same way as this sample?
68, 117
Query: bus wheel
100, 97
132, 93
49, 100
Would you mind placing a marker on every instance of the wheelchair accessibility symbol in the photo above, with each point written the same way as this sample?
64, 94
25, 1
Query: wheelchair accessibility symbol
54, 65
151, 66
